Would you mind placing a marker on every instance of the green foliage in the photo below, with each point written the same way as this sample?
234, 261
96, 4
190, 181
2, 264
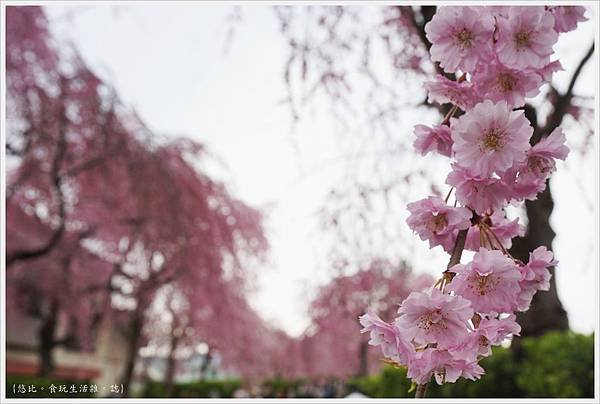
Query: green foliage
201, 388
42, 386
558, 364
280, 387
391, 382
497, 382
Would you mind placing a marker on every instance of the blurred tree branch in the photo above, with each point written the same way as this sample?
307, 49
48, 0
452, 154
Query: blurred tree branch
563, 101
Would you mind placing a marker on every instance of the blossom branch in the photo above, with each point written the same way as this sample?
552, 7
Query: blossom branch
444, 333
421, 391
459, 247
563, 102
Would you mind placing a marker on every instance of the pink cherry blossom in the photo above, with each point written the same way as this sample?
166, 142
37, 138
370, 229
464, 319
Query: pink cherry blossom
525, 296
490, 331
434, 317
536, 270
567, 17
437, 222
504, 230
490, 282
490, 137
497, 82
444, 366
433, 139
497, 330
523, 185
493, 331
541, 157
525, 38
443, 90
548, 71
527, 179
393, 345
480, 193
460, 36
494, 11
534, 276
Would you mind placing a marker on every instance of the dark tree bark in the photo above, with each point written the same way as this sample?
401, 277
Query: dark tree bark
546, 312
134, 337
47, 342
363, 352
171, 363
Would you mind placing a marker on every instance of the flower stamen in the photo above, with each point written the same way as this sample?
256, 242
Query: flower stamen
493, 140
522, 40
506, 82
464, 39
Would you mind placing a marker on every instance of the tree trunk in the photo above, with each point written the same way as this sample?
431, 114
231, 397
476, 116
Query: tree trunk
46, 341
546, 312
171, 363
363, 354
135, 333
205, 366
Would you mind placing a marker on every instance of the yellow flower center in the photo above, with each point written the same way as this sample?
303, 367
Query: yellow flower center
522, 39
464, 38
435, 317
437, 222
493, 140
538, 165
506, 82
484, 284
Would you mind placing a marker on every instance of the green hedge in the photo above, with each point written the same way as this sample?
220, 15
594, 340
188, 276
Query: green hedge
280, 387
42, 386
201, 388
558, 365
554, 365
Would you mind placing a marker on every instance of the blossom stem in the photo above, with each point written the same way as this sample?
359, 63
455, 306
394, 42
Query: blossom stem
481, 237
454, 108
449, 115
485, 231
448, 195
504, 250
459, 246
421, 390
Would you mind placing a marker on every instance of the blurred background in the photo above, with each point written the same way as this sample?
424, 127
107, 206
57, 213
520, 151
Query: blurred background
202, 199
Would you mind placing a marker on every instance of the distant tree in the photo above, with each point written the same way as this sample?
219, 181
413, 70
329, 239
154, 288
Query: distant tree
95, 197
332, 345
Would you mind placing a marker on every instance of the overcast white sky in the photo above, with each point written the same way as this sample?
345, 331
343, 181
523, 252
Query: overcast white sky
168, 63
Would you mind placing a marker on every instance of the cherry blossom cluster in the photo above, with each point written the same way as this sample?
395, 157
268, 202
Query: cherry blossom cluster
500, 56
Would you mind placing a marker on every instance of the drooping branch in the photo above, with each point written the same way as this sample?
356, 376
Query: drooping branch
563, 102
57, 182
427, 13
